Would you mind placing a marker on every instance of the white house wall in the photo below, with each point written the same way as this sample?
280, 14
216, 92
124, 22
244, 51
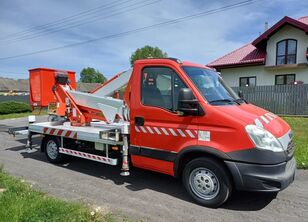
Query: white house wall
264, 76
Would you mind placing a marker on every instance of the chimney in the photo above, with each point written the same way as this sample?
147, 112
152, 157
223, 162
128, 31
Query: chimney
265, 26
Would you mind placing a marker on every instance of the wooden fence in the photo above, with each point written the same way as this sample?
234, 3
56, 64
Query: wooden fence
279, 99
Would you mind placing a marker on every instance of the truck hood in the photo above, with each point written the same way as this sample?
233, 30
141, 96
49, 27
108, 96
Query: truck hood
250, 114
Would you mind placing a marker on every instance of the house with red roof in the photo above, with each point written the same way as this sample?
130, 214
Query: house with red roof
277, 57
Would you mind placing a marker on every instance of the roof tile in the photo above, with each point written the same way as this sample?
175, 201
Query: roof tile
245, 55
303, 19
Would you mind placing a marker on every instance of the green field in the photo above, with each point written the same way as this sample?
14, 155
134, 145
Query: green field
14, 115
19, 202
300, 128
19, 115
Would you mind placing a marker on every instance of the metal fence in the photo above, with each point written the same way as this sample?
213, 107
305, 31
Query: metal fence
279, 99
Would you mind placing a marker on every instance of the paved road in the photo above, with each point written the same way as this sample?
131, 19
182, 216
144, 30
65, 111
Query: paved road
143, 195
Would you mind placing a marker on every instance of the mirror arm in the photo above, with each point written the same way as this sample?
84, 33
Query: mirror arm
201, 111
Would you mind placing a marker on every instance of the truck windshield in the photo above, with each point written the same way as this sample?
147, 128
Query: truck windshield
212, 86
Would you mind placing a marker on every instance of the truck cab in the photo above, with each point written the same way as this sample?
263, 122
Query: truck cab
186, 122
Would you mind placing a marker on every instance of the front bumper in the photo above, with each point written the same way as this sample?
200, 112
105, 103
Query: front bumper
262, 177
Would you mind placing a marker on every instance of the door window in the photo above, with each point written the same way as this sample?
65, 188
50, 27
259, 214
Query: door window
160, 87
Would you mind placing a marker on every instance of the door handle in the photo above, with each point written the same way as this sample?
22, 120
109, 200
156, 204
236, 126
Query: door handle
139, 121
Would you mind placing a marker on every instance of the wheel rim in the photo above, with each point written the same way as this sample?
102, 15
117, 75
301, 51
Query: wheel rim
52, 149
204, 183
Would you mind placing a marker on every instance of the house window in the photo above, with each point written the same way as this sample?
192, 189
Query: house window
286, 52
248, 81
284, 79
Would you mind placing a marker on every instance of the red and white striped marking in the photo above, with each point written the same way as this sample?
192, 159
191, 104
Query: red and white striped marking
265, 119
88, 156
166, 131
59, 132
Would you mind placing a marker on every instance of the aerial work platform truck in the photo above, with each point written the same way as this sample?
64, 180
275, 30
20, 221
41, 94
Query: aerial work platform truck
174, 117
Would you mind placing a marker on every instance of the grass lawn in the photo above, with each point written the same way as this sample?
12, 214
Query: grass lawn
18, 115
300, 130
19, 202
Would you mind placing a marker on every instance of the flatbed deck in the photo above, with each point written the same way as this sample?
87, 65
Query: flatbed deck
87, 133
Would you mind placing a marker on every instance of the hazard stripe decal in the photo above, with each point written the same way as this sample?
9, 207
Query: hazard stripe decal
173, 132
88, 156
264, 119
157, 130
176, 132
59, 132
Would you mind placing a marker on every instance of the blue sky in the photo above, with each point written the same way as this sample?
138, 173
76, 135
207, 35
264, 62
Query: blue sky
200, 40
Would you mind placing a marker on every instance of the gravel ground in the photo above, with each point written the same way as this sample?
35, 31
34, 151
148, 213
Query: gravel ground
143, 195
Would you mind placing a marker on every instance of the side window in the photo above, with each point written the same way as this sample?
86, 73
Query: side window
160, 87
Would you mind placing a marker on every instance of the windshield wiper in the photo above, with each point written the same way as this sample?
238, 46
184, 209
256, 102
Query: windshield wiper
237, 101
222, 101
240, 100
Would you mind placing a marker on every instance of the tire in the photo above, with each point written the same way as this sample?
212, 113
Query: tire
54, 118
207, 182
51, 147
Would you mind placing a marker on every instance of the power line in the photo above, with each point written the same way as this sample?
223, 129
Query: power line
76, 24
67, 24
62, 19
173, 21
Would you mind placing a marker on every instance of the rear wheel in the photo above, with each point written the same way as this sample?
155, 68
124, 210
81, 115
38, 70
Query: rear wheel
207, 182
51, 147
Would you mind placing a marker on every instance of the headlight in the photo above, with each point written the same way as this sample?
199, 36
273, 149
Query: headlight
263, 139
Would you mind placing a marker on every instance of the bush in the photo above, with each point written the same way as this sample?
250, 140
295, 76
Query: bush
14, 107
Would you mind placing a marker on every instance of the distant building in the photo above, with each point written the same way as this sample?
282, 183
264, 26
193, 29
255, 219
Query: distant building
14, 85
277, 57
22, 85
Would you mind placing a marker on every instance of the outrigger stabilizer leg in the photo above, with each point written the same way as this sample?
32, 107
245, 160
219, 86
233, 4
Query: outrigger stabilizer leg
125, 166
29, 141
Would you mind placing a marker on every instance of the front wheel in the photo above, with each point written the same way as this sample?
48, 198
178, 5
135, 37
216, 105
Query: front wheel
207, 182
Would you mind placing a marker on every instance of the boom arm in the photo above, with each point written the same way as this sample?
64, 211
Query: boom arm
114, 84
99, 104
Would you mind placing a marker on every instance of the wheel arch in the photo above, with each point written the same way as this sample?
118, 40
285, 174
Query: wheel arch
191, 152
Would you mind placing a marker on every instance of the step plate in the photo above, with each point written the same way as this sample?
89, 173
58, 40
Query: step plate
89, 156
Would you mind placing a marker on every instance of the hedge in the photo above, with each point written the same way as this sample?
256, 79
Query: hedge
14, 107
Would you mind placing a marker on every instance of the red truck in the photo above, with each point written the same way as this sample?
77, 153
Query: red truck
176, 118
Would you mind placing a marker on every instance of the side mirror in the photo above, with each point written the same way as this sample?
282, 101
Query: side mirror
188, 104
240, 94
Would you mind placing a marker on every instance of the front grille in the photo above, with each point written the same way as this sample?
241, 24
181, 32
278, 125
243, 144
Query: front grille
290, 148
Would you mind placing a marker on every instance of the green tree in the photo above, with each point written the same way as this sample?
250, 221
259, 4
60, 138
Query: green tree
147, 52
91, 75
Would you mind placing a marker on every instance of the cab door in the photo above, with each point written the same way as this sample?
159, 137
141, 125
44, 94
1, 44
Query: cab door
158, 133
